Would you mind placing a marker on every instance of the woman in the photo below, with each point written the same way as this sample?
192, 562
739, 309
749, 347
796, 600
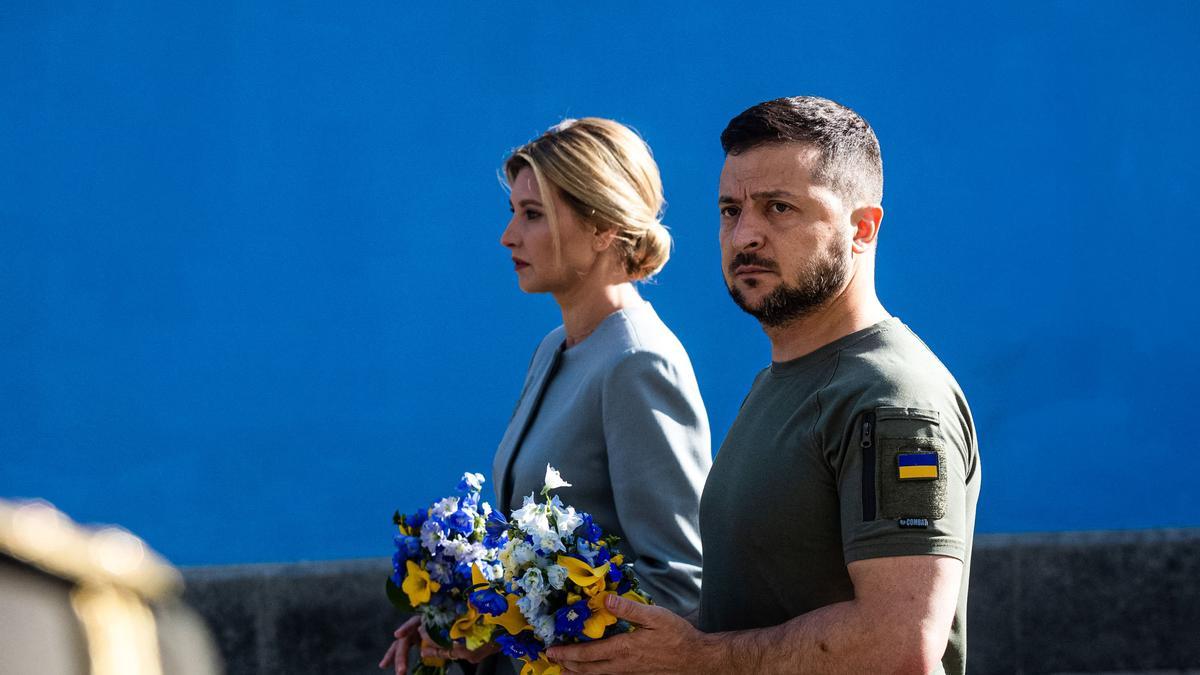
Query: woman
610, 398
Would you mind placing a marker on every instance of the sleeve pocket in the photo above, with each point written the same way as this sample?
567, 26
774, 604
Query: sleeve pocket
910, 464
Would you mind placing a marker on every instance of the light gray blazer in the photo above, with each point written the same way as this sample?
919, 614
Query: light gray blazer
620, 416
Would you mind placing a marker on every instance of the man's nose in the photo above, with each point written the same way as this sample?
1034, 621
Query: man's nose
747, 232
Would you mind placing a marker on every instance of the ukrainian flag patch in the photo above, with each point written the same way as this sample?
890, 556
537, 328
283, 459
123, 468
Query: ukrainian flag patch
917, 465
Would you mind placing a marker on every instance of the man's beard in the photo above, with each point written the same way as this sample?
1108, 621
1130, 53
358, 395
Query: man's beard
790, 301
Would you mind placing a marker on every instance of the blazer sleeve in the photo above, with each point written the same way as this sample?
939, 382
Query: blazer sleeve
659, 453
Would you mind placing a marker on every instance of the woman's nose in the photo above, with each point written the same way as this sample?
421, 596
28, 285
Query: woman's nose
508, 237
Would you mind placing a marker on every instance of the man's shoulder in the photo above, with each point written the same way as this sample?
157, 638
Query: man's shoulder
892, 366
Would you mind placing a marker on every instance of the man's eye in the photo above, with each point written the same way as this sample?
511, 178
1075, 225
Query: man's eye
730, 211
779, 207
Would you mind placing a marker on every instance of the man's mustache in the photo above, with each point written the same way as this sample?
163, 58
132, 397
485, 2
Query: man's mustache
746, 258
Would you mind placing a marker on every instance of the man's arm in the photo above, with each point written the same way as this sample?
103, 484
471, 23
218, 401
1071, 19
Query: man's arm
898, 622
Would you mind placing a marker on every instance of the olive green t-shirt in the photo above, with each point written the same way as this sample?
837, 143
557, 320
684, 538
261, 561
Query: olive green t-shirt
861, 449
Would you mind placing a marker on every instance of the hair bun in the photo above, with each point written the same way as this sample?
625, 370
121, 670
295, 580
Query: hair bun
651, 252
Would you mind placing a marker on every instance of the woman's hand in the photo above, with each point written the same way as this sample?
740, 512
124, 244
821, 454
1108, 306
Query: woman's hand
406, 637
456, 652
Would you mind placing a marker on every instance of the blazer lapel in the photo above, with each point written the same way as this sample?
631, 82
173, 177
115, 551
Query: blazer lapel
518, 427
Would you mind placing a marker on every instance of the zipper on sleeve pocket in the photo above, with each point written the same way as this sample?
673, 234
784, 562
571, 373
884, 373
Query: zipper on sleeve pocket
867, 435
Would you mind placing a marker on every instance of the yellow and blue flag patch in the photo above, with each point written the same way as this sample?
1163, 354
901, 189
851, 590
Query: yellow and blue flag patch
914, 465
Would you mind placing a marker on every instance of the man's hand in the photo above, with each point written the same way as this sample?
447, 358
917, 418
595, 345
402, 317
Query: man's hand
663, 643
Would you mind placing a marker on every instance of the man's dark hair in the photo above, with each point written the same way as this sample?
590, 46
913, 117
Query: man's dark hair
850, 161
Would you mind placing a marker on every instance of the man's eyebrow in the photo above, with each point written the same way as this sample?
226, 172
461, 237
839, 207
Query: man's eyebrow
726, 199
774, 194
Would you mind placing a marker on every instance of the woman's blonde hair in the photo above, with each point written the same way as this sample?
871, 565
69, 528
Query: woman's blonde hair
606, 173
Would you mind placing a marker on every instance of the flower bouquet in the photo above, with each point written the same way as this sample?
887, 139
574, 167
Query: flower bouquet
442, 552
558, 567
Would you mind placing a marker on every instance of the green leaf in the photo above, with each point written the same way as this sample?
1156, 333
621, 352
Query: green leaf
398, 597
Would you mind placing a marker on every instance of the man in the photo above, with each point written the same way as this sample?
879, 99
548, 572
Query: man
838, 517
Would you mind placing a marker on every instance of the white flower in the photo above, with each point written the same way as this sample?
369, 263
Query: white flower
536, 590
556, 576
550, 542
444, 508
462, 549
543, 627
432, 536
515, 555
553, 480
474, 481
438, 616
492, 572
533, 518
534, 584
566, 518
529, 606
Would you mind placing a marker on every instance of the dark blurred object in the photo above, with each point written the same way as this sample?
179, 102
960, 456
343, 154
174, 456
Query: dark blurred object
75, 600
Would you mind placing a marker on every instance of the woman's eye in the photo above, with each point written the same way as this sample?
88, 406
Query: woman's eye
530, 214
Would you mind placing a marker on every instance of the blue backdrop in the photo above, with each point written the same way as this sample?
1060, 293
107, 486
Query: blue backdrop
252, 297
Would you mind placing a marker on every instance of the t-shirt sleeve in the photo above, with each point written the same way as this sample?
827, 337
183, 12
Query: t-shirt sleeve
657, 440
902, 475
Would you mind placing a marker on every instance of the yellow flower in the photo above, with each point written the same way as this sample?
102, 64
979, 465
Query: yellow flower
601, 618
467, 627
590, 579
477, 578
418, 586
540, 667
635, 596
512, 619
433, 661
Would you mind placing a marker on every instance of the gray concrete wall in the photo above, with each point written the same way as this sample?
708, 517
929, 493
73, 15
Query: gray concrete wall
1091, 602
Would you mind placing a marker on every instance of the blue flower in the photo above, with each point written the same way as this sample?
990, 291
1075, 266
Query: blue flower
489, 601
417, 519
462, 575
461, 522
615, 574
594, 555
523, 644
398, 568
590, 531
407, 546
497, 530
568, 621
626, 583
471, 501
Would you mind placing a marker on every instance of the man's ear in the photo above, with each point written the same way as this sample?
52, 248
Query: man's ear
866, 220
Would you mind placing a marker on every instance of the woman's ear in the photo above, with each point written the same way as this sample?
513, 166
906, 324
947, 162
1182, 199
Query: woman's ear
602, 240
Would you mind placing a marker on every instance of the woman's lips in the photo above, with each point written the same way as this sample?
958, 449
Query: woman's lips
519, 264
